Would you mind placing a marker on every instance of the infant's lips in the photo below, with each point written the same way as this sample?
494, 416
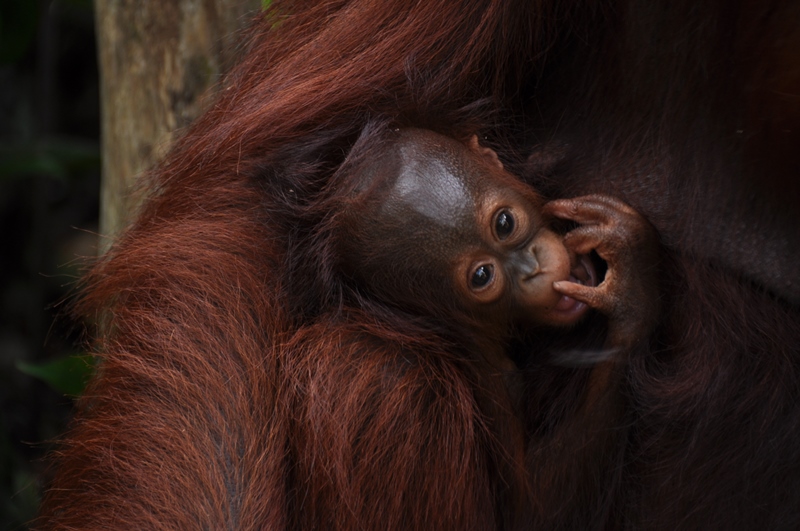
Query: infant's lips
585, 274
566, 303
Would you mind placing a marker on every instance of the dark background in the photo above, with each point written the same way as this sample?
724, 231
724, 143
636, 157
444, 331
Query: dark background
49, 190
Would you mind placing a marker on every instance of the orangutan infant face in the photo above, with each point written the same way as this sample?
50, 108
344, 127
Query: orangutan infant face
462, 206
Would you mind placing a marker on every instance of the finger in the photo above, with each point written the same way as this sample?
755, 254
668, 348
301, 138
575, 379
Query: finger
609, 203
585, 238
595, 208
580, 210
570, 209
594, 297
588, 238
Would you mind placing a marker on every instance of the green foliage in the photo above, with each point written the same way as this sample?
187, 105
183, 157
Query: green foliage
271, 14
49, 173
67, 375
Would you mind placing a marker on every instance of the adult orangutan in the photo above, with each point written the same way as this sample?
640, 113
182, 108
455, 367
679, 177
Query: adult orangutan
232, 395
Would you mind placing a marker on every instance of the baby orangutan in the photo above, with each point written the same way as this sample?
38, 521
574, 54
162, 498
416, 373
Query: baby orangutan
437, 230
440, 229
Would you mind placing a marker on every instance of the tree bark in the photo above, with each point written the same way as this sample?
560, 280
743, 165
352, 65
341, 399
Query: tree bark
159, 67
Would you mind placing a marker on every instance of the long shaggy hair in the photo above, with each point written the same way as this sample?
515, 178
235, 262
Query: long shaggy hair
240, 389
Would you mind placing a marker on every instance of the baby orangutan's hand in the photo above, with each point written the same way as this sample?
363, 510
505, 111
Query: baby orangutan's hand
629, 244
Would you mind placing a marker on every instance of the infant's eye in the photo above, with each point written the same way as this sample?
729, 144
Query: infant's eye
482, 276
504, 224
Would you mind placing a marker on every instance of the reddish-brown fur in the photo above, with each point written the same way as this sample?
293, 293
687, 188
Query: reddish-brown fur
237, 392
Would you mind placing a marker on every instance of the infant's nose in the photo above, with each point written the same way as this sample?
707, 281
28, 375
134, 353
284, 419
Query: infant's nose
525, 261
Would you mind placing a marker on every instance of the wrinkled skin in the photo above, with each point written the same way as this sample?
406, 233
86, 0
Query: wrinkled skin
446, 205
628, 294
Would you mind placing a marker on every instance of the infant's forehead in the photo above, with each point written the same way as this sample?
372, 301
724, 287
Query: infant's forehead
437, 177
433, 188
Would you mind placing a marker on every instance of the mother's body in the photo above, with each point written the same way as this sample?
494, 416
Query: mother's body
227, 401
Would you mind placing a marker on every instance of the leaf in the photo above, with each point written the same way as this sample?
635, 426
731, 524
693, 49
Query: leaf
68, 375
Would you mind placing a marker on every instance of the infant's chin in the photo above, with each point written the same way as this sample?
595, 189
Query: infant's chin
568, 311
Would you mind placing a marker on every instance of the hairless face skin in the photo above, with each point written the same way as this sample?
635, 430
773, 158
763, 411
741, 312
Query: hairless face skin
440, 226
506, 254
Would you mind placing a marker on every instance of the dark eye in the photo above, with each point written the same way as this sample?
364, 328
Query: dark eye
504, 224
482, 276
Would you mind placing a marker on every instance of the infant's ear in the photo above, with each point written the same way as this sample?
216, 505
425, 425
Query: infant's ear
488, 154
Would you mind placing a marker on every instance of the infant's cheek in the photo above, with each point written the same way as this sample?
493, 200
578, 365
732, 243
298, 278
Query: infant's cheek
547, 297
555, 266
558, 262
541, 298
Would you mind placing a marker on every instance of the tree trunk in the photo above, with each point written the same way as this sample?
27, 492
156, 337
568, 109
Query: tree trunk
159, 67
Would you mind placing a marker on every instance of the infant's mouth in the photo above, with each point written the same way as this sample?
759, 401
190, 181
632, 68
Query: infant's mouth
583, 273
